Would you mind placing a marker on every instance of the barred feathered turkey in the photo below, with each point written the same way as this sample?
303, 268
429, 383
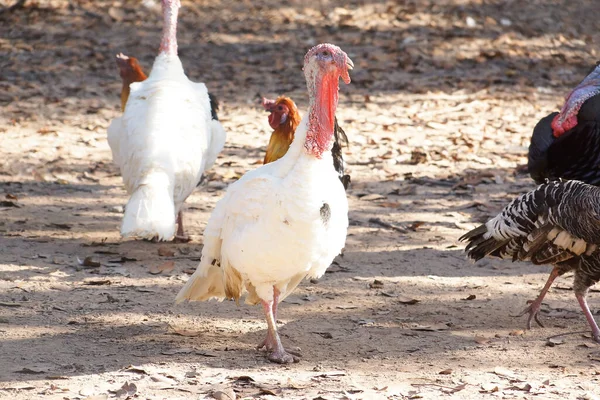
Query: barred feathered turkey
558, 223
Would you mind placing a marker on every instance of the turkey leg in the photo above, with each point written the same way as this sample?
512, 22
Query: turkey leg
534, 307
272, 342
588, 315
180, 236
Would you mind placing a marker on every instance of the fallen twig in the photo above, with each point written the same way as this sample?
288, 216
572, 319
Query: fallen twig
566, 334
379, 222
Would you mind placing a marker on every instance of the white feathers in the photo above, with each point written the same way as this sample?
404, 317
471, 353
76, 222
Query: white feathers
565, 240
149, 211
165, 140
269, 229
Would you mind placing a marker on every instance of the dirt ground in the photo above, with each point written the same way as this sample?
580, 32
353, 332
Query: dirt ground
443, 101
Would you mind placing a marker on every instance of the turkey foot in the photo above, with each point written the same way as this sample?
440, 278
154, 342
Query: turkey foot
272, 342
281, 356
535, 305
534, 312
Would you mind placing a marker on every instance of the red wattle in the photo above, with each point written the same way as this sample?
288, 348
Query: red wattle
560, 127
273, 120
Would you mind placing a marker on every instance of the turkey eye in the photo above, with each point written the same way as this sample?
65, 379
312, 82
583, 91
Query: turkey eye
325, 53
280, 108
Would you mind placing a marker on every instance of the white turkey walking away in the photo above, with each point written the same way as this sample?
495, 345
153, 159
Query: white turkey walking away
286, 220
164, 141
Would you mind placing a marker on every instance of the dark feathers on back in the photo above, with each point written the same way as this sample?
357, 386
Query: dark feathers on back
214, 106
340, 139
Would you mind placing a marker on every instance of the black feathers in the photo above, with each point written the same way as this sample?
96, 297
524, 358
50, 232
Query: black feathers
325, 213
340, 139
541, 140
574, 155
214, 106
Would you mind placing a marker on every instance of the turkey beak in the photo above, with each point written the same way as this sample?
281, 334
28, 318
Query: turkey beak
349, 64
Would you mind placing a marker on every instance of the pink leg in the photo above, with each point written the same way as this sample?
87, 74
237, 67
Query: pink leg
180, 236
269, 342
588, 315
534, 306
272, 342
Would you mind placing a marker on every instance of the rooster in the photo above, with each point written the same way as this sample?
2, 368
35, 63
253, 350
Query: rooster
558, 223
284, 119
130, 71
567, 144
284, 221
164, 141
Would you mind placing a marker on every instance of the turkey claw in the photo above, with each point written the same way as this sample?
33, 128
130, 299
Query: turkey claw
283, 357
534, 314
181, 239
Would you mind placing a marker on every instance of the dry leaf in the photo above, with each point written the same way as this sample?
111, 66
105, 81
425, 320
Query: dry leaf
183, 332
470, 297
489, 388
88, 262
418, 156
171, 352
97, 282
481, 340
372, 197
6, 203
446, 371
164, 251
9, 304
504, 373
376, 284
32, 371
417, 225
431, 328
224, 394
116, 13
407, 300
127, 390
45, 130
551, 342
329, 374
136, 369
165, 267
65, 227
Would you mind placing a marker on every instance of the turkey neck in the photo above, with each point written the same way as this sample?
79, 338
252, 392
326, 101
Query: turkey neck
168, 44
323, 101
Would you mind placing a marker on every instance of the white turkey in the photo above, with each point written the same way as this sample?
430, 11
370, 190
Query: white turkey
164, 141
558, 223
286, 220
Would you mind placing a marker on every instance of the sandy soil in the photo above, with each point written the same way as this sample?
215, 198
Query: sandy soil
443, 99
